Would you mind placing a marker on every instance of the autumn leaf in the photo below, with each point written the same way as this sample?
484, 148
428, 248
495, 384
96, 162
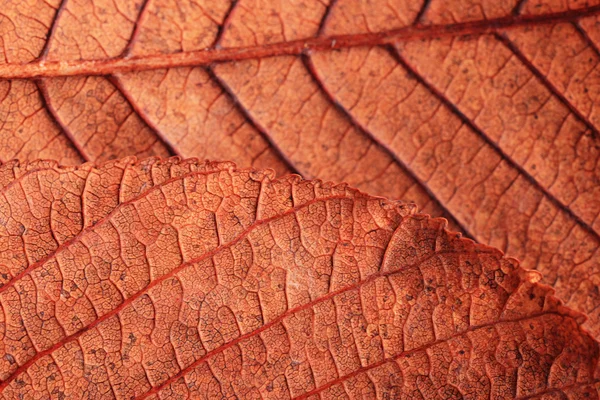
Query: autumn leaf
481, 111
179, 279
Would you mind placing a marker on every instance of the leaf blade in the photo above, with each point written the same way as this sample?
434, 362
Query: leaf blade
378, 250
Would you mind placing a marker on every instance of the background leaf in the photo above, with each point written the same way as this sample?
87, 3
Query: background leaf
483, 112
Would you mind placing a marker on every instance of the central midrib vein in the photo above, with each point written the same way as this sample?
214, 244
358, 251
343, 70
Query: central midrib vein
208, 56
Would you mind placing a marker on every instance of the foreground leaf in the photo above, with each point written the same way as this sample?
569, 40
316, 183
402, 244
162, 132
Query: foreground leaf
484, 112
179, 279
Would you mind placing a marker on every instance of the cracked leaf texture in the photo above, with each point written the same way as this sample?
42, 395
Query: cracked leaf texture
484, 112
178, 279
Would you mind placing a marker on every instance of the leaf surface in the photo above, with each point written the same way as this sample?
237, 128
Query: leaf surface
481, 111
180, 279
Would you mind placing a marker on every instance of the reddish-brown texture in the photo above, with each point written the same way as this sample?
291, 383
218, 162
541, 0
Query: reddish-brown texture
484, 112
179, 279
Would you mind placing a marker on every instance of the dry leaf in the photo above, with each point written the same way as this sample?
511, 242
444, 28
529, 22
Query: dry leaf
178, 279
481, 111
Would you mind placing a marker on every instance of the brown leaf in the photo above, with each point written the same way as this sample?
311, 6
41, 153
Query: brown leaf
481, 111
180, 279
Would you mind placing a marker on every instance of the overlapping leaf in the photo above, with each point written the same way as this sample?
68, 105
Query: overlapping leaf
178, 279
481, 111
